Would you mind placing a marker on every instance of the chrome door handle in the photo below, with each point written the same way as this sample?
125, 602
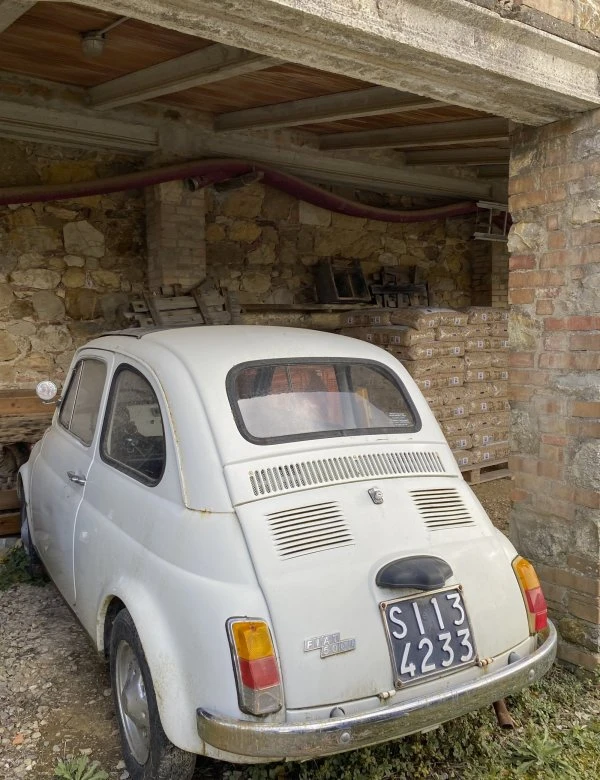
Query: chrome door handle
78, 479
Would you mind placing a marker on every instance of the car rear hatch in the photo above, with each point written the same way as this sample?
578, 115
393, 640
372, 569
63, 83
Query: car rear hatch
318, 549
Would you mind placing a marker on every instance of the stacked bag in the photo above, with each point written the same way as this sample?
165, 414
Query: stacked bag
459, 360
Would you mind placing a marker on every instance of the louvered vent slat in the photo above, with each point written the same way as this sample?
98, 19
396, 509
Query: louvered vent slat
309, 529
442, 508
296, 476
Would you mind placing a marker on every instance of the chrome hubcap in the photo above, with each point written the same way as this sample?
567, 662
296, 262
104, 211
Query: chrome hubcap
132, 702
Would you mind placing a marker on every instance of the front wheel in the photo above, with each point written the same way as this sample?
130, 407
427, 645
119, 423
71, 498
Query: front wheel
147, 751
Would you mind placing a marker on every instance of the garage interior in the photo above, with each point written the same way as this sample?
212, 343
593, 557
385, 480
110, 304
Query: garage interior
88, 94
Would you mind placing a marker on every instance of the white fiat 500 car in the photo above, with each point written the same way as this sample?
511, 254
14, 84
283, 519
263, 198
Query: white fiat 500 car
267, 534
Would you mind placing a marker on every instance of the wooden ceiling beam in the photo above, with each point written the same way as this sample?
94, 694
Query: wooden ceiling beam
482, 155
459, 133
205, 66
373, 101
11, 10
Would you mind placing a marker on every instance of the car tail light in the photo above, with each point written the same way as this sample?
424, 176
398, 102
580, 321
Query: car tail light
256, 668
535, 603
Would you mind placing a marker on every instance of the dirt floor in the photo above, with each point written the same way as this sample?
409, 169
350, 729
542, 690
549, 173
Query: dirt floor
54, 690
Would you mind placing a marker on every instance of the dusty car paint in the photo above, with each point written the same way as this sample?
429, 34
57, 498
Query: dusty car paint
198, 548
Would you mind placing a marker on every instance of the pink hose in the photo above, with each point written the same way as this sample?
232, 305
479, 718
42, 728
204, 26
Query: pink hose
213, 171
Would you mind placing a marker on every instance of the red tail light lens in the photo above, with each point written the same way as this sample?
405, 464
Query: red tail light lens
255, 664
535, 603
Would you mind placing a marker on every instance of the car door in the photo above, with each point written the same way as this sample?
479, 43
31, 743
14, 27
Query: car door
61, 471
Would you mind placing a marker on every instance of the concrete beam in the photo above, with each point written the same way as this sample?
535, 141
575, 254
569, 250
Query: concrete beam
461, 133
482, 155
11, 10
450, 50
205, 66
374, 101
56, 114
67, 128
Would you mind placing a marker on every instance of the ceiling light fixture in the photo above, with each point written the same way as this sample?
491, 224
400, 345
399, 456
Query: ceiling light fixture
93, 41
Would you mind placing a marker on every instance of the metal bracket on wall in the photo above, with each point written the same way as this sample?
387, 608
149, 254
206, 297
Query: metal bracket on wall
492, 221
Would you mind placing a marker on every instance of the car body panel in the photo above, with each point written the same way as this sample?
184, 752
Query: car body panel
203, 545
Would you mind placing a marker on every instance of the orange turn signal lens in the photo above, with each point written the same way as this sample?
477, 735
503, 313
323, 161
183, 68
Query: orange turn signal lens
535, 603
252, 640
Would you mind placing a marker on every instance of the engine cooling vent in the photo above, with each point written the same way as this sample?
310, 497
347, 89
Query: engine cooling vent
442, 508
294, 476
309, 529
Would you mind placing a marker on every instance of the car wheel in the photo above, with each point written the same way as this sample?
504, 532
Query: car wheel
34, 565
147, 752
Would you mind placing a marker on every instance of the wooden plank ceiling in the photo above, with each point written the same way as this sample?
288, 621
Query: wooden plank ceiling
45, 42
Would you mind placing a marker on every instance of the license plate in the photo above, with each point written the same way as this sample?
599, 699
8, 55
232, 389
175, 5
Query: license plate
428, 635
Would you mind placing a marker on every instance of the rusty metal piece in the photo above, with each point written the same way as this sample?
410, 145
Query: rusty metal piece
505, 720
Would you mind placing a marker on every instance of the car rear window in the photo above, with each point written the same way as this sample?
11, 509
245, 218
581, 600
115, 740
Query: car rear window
279, 401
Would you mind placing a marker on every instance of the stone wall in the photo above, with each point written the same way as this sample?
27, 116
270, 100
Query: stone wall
554, 289
65, 267
266, 244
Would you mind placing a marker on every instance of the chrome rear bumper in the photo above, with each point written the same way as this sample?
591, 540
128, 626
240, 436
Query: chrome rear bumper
310, 739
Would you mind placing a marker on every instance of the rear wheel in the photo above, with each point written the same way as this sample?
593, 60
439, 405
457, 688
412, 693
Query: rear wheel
147, 752
34, 565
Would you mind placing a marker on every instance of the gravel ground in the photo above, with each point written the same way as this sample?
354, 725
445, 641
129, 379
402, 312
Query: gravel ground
54, 689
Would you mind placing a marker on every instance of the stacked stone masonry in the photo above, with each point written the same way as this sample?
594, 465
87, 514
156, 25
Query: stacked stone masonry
554, 288
65, 267
264, 245
459, 360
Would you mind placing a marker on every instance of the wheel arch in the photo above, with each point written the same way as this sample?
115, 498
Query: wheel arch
175, 702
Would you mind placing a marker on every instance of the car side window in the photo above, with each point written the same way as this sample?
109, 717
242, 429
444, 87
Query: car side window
133, 439
81, 404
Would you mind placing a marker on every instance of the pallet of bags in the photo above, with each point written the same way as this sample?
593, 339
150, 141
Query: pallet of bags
486, 390
389, 335
416, 317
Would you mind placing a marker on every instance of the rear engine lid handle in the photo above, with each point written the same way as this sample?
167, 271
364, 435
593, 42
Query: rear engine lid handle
421, 572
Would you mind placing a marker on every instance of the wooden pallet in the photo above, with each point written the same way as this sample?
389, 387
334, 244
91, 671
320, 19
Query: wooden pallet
203, 305
10, 520
486, 471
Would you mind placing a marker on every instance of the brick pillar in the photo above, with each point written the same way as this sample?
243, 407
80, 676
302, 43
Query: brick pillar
489, 273
554, 289
175, 235
499, 276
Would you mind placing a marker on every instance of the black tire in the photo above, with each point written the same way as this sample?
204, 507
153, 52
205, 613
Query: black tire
159, 759
34, 564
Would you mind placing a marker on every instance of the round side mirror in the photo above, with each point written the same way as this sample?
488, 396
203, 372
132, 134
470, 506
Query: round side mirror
46, 391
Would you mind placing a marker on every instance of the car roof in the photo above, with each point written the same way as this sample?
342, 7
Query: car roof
233, 344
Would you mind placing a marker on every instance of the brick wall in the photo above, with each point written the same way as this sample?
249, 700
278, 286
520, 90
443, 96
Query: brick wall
554, 289
175, 235
582, 14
